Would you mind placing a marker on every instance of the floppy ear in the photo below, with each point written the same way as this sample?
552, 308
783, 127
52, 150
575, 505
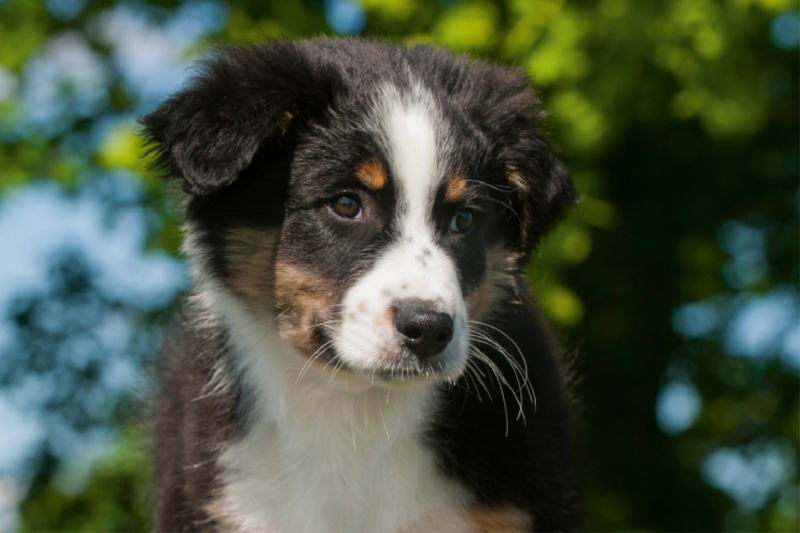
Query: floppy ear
541, 189
238, 100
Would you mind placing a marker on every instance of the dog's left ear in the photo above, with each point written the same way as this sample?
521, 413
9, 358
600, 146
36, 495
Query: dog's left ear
540, 189
540, 185
240, 99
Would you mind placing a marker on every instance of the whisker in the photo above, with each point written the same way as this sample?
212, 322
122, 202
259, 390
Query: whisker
269, 330
498, 188
524, 371
240, 328
318, 353
468, 376
338, 366
385, 427
500, 379
325, 324
505, 205
521, 375
352, 422
521, 385
478, 376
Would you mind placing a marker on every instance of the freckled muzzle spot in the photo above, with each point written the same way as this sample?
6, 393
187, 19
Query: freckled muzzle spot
386, 320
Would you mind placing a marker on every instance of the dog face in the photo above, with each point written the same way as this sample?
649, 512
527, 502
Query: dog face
374, 200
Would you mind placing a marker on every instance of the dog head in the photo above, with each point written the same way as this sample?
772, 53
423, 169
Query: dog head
373, 199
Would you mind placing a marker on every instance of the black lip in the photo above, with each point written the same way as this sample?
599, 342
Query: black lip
397, 368
407, 366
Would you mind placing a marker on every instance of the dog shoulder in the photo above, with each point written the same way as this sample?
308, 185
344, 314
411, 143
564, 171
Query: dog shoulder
508, 439
195, 413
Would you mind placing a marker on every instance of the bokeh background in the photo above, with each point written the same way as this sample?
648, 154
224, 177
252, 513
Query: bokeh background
673, 287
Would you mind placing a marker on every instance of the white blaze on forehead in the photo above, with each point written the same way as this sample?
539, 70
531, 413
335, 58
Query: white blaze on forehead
409, 127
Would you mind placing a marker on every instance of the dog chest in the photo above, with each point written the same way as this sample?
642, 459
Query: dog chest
366, 469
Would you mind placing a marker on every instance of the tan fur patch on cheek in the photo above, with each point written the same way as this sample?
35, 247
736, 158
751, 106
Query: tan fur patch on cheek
506, 518
372, 174
250, 255
456, 188
303, 300
496, 286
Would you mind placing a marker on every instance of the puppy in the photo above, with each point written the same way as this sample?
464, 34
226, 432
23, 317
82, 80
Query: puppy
361, 351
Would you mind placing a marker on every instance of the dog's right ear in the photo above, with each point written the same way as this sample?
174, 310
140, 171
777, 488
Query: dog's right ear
239, 99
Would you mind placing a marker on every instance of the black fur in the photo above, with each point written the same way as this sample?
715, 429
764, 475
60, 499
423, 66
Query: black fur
529, 464
257, 138
189, 426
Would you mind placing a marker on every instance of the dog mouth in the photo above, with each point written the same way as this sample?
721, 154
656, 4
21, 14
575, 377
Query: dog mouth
409, 369
397, 367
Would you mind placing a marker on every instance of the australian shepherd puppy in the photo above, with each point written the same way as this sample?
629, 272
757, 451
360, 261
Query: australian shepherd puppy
361, 351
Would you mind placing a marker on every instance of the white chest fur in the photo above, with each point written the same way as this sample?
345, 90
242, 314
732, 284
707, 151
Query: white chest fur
329, 453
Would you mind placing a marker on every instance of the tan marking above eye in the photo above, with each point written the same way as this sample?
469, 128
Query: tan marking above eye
456, 188
372, 174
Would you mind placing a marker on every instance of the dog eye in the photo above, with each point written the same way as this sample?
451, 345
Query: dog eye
462, 222
346, 207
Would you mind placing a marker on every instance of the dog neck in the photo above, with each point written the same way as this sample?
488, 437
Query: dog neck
323, 449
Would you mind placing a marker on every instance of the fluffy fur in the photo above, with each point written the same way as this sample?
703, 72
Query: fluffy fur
361, 352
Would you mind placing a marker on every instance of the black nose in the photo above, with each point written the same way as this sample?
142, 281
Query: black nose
425, 332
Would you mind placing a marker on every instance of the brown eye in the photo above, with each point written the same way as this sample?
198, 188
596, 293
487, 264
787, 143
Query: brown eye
462, 222
346, 207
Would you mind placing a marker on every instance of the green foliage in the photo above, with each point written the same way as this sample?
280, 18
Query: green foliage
114, 496
674, 116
